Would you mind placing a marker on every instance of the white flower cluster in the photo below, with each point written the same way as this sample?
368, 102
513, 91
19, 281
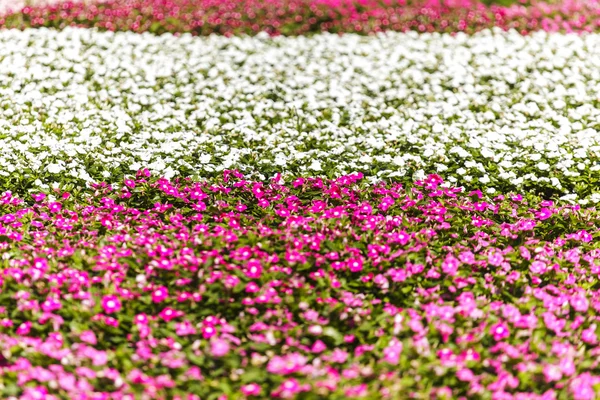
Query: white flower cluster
495, 110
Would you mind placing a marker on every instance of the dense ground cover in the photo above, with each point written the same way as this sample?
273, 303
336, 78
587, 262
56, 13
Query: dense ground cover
300, 17
494, 111
307, 288
400, 215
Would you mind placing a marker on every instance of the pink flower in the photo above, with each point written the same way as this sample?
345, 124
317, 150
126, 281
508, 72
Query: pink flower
495, 258
339, 356
285, 365
567, 366
35, 393
465, 375
289, 387
254, 269
38, 197
552, 373
355, 264
258, 190
185, 328
219, 347
589, 335
160, 294
88, 337
40, 263
450, 265
168, 314
579, 303
141, 319
467, 257
208, 332
543, 214
357, 391
584, 236
499, 331
251, 389
55, 207
581, 387
111, 304
24, 328
318, 347
51, 304
538, 267
391, 354
231, 281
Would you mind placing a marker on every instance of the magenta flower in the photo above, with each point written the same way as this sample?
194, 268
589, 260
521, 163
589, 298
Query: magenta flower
111, 304
40, 263
208, 332
251, 389
253, 269
499, 331
167, 314
160, 294
285, 365
538, 267
24, 328
355, 264
51, 304
318, 347
584, 236
579, 303
55, 207
450, 265
36, 393
289, 388
589, 335
141, 319
465, 375
582, 387
320, 303
391, 354
38, 196
543, 214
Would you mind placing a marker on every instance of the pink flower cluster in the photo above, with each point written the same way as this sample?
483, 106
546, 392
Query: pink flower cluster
233, 288
296, 17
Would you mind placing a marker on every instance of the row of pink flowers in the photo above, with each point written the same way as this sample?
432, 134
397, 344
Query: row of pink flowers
240, 289
296, 17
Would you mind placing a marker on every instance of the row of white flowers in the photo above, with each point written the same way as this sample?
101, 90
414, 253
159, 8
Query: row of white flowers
494, 110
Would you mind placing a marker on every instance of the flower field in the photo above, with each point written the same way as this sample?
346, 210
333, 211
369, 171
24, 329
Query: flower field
296, 199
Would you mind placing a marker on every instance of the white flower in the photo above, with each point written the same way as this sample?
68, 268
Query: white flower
315, 166
543, 166
55, 168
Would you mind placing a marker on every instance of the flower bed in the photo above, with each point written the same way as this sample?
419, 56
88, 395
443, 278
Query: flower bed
395, 215
313, 288
493, 111
300, 17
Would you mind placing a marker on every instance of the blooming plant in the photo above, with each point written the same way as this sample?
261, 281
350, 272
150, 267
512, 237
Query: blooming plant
301, 17
284, 212
487, 111
311, 288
